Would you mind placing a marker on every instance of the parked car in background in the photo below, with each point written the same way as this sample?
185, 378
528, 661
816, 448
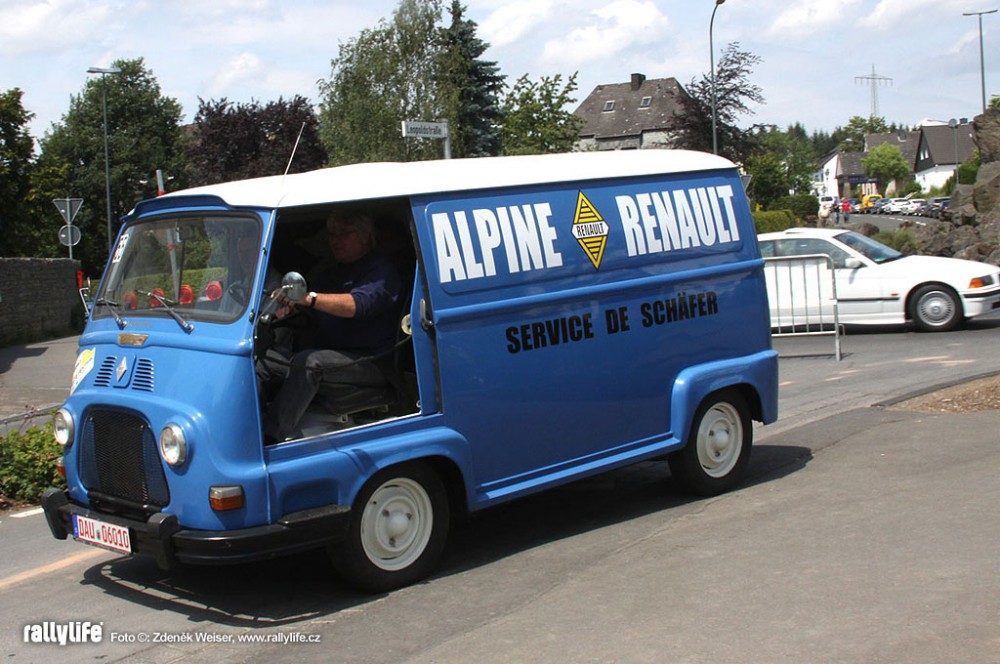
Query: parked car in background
868, 202
826, 204
896, 206
944, 210
877, 285
855, 204
913, 206
934, 206
878, 205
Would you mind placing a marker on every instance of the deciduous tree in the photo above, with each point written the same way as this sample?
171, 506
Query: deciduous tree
885, 163
535, 117
733, 95
144, 135
235, 141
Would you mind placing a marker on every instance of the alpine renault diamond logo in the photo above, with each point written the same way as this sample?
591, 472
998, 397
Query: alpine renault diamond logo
590, 230
121, 369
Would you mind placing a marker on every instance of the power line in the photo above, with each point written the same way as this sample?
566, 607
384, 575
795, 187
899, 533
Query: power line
873, 79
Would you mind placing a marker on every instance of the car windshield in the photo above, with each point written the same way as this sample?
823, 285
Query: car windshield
189, 267
871, 249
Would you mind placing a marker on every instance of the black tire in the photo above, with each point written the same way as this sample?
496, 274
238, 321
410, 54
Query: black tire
935, 308
399, 524
718, 447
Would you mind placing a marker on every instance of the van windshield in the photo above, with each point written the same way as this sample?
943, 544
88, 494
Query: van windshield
195, 267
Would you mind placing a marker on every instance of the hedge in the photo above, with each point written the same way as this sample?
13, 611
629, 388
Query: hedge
773, 221
28, 464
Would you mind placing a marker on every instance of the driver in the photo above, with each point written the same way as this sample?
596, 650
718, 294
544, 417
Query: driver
357, 307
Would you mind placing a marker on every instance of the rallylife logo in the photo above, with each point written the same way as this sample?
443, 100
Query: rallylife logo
64, 633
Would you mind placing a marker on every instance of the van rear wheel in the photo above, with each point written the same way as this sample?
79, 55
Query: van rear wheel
718, 447
399, 524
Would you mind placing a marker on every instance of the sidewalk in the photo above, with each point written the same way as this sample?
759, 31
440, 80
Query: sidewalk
34, 378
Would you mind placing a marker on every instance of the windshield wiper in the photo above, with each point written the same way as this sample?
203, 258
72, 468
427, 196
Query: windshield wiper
167, 304
113, 308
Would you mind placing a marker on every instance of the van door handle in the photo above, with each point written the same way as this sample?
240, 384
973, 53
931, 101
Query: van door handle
425, 322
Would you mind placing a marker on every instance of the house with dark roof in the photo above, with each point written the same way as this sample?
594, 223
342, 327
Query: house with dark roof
630, 116
940, 151
932, 151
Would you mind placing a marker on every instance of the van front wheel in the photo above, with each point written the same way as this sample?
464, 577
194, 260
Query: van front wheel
399, 524
718, 447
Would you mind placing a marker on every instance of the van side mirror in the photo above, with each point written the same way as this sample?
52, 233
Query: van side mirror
293, 285
853, 263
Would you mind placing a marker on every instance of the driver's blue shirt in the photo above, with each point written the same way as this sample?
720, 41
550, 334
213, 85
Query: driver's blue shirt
376, 287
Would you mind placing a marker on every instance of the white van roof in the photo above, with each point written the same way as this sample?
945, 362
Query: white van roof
389, 179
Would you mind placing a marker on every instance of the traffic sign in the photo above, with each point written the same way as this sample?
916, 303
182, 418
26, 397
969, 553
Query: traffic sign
68, 207
69, 235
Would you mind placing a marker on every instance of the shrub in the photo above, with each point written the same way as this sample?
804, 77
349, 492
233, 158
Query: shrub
28, 464
900, 240
773, 220
801, 205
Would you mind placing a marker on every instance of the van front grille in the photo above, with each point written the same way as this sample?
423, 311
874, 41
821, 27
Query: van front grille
119, 458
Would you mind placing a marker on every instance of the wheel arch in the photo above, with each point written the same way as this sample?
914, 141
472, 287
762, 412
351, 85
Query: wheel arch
960, 314
755, 378
908, 302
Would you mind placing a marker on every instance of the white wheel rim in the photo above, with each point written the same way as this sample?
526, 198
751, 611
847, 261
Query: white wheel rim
936, 308
720, 440
396, 524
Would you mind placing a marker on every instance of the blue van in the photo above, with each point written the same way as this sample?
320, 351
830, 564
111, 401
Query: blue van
557, 316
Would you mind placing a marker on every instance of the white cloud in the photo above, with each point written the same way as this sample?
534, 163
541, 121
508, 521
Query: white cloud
611, 29
808, 17
47, 26
236, 72
512, 21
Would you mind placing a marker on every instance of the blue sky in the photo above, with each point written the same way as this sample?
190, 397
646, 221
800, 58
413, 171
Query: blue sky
812, 50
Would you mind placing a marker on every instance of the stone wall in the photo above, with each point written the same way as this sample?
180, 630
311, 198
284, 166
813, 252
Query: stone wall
39, 299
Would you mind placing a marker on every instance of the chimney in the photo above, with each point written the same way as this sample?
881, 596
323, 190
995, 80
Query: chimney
637, 80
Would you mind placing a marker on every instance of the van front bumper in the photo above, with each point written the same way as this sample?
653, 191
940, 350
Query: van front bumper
162, 537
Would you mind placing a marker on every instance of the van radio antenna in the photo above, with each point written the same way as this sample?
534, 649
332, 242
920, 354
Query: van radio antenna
294, 148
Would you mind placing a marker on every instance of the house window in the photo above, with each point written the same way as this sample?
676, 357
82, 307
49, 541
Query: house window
609, 106
646, 101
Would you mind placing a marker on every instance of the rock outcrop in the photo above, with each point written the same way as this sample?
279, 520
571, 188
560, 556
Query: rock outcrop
974, 229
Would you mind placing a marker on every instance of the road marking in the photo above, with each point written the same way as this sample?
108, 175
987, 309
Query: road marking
27, 513
11, 581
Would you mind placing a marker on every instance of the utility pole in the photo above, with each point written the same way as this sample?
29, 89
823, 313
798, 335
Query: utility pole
873, 79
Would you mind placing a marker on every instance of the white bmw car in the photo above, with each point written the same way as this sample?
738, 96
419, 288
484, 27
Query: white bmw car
877, 285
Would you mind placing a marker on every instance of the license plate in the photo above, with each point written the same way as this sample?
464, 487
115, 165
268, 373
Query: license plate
104, 535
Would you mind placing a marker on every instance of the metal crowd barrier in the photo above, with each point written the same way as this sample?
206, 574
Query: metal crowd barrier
803, 297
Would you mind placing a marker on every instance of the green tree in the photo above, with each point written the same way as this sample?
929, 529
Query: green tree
733, 95
144, 135
471, 87
852, 137
795, 152
236, 141
384, 76
770, 178
885, 163
535, 117
17, 150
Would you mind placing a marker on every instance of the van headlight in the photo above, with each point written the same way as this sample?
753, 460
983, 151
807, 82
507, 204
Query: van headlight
62, 428
173, 446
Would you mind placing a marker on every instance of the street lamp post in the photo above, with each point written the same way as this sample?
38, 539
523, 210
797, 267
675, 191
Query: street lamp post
107, 168
982, 63
711, 54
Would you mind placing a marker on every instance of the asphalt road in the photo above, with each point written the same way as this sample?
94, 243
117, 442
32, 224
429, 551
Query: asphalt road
862, 535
